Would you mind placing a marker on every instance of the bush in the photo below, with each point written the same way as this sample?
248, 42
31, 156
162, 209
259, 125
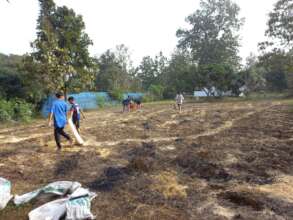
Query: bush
16, 110
156, 91
6, 111
116, 94
147, 98
22, 111
101, 101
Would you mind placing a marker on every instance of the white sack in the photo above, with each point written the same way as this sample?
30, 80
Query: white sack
5, 192
58, 188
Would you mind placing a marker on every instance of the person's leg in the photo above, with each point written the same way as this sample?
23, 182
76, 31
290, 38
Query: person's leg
57, 138
64, 134
77, 125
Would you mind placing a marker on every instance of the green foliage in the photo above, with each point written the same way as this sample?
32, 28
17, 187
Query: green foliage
151, 70
17, 110
147, 98
280, 24
11, 78
275, 66
23, 111
101, 100
180, 74
6, 110
213, 36
117, 94
156, 91
61, 49
216, 76
214, 43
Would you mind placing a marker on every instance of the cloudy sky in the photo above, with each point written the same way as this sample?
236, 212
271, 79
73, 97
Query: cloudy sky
145, 26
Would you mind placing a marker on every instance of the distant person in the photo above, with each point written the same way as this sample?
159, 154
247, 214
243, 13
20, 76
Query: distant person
75, 113
126, 104
179, 101
138, 103
59, 115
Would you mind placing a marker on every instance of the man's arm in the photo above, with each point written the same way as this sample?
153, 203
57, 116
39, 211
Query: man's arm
81, 112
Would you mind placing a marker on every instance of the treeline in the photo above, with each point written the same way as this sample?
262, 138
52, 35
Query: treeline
206, 56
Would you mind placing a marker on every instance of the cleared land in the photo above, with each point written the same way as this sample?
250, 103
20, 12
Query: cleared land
214, 161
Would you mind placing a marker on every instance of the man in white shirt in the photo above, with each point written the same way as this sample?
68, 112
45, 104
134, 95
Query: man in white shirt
179, 101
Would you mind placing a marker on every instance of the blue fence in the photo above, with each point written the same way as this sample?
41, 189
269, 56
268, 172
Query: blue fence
87, 100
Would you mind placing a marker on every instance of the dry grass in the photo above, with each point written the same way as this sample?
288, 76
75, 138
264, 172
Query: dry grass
167, 183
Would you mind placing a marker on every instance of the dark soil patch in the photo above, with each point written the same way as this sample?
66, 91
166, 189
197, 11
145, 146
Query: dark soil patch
243, 199
68, 165
198, 167
111, 177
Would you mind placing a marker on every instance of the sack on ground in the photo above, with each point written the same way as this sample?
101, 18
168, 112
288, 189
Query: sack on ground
58, 188
5, 192
78, 207
50, 211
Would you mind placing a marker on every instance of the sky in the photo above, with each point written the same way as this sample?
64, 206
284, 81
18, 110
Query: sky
145, 26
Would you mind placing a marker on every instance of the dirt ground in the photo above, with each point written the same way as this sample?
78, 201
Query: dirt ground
213, 161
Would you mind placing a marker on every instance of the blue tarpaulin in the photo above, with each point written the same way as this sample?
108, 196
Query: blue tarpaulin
87, 100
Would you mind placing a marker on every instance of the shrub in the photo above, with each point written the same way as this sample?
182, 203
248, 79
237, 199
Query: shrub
101, 101
22, 111
17, 110
156, 91
6, 111
147, 98
116, 94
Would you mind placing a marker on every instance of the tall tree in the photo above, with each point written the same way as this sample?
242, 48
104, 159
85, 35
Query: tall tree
280, 31
74, 44
61, 48
214, 42
113, 73
213, 36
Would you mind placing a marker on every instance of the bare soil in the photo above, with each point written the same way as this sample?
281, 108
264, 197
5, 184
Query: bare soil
213, 161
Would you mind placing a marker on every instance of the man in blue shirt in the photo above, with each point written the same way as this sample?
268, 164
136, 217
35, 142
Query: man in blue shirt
59, 114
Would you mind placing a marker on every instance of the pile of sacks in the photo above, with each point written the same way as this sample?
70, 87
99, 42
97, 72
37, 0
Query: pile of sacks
75, 203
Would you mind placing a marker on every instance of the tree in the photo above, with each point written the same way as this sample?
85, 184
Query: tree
279, 61
213, 37
180, 74
11, 79
112, 73
61, 49
276, 69
253, 75
280, 24
217, 78
151, 69
74, 43
213, 42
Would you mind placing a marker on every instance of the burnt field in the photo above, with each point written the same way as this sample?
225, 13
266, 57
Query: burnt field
230, 160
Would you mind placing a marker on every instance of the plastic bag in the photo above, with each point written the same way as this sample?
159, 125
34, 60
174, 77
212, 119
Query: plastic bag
78, 206
75, 207
50, 211
58, 188
5, 192
75, 132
